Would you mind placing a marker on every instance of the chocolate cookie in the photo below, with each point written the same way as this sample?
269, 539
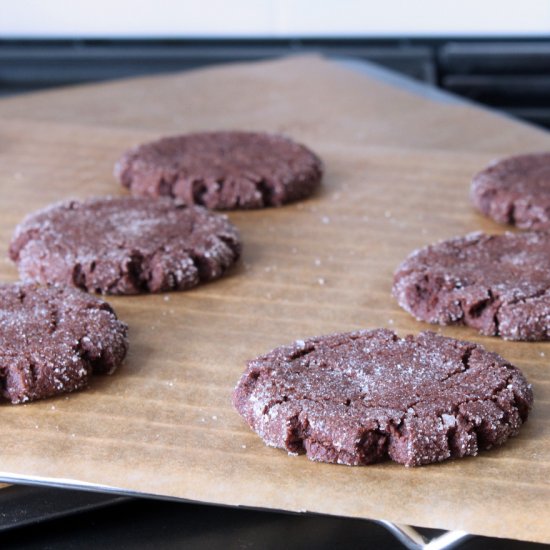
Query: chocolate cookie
52, 339
516, 191
497, 284
124, 245
362, 397
224, 170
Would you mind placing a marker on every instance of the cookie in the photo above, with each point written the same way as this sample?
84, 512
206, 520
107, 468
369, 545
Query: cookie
222, 170
497, 284
53, 339
362, 397
124, 245
515, 191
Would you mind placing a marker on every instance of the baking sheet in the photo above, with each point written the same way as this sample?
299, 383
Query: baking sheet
398, 167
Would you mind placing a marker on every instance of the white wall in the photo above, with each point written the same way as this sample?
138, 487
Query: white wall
271, 18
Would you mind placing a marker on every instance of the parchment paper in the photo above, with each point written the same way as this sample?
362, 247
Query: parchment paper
398, 168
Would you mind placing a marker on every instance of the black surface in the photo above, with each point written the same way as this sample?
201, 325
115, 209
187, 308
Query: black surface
155, 524
22, 506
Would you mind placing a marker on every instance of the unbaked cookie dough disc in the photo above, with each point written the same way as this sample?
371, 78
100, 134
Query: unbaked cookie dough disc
124, 245
52, 339
222, 170
497, 284
515, 190
362, 397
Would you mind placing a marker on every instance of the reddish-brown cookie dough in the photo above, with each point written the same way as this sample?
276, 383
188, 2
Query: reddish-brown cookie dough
52, 339
361, 397
497, 284
515, 190
124, 245
223, 170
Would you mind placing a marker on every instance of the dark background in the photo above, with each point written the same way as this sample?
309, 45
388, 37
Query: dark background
509, 74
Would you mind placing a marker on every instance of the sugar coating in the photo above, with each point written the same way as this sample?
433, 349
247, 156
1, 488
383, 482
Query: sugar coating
497, 284
52, 339
223, 170
124, 245
515, 190
362, 397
